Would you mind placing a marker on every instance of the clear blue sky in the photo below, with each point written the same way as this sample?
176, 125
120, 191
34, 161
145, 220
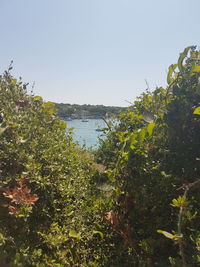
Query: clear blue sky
95, 51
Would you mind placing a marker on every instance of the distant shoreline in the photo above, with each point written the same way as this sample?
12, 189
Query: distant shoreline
87, 118
75, 111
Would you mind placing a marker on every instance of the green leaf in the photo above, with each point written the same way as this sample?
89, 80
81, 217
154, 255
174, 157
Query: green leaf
195, 69
168, 235
197, 111
121, 136
37, 98
180, 61
14, 81
170, 73
133, 140
179, 202
74, 234
150, 128
141, 134
98, 232
182, 56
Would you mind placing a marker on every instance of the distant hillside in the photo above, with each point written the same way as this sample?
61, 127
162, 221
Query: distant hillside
76, 111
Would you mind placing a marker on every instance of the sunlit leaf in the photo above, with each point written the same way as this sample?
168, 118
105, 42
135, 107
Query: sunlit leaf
150, 128
141, 134
168, 235
180, 201
182, 56
14, 81
195, 69
197, 111
98, 232
37, 98
170, 73
74, 234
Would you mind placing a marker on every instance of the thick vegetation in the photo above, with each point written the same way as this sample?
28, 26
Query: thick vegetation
152, 157
137, 205
45, 184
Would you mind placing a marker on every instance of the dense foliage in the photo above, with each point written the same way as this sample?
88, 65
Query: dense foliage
152, 158
45, 186
88, 111
136, 205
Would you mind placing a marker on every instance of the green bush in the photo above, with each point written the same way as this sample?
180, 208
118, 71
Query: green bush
152, 158
45, 184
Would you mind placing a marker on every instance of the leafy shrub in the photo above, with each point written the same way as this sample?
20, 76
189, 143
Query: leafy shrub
152, 159
45, 186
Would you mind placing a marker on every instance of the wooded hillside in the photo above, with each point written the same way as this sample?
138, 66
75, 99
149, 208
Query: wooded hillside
75, 111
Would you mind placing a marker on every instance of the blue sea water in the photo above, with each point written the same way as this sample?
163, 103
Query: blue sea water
85, 132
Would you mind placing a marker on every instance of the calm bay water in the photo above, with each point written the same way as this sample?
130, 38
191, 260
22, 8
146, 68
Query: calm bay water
85, 132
